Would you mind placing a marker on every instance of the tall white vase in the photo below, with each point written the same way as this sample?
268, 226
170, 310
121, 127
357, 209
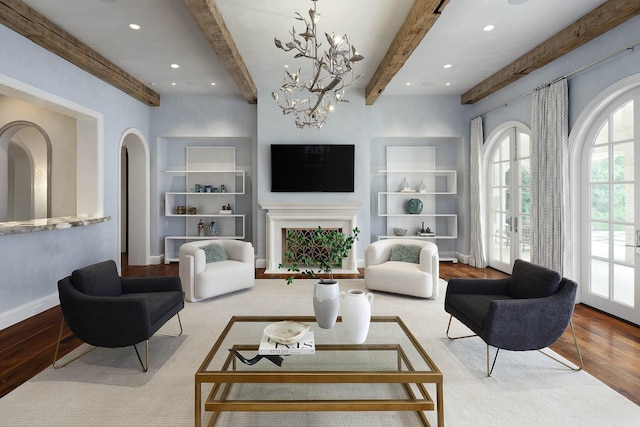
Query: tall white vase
356, 314
326, 303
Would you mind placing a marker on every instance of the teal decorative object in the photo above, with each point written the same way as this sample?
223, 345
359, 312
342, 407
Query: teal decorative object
414, 206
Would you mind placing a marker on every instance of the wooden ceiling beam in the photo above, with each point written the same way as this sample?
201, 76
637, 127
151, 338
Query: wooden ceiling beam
26, 21
208, 17
419, 20
600, 20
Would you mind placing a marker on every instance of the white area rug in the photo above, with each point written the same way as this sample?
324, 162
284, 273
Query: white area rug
107, 388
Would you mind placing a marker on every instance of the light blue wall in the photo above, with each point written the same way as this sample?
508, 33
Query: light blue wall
356, 123
583, 85
31, 264
345, 126
432, 120
513, 103
191, 121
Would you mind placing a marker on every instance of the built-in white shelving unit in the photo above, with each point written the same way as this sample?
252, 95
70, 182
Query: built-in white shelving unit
212, 169
415, 165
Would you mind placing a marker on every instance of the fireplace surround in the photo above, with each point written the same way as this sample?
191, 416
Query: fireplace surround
311, 215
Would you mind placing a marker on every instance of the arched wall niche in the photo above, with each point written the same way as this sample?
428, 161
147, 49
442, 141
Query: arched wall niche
74, 170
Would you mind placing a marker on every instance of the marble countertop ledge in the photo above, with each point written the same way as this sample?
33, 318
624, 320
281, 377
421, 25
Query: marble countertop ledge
47, 224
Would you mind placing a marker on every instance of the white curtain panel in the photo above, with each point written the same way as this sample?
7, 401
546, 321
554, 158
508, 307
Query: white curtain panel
477, 258
550, 226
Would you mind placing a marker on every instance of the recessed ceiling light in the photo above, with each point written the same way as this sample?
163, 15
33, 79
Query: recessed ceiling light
489, 27
175, 66
408, 84
447, 66
134, 26
448, 84
173, 83
213, 83
286, 66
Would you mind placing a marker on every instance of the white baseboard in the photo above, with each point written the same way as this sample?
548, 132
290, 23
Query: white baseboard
464, 259
156, 259
30, 309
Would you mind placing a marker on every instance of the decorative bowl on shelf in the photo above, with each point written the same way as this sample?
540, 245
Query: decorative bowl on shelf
399, 231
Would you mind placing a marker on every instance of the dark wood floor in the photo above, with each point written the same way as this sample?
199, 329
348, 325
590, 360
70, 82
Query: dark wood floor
610, 347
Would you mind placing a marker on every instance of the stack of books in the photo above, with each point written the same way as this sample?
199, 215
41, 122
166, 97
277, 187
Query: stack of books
306, 345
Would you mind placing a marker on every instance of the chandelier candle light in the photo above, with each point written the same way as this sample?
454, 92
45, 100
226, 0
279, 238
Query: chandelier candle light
313, 97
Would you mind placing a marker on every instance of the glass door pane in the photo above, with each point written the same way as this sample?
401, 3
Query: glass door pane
510, 200
500, 227
611, 282
523, 232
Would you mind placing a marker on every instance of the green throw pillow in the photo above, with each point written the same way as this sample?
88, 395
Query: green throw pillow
406, 253
214, 253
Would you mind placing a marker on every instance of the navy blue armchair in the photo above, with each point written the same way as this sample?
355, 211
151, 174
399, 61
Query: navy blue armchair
528, 311
106, 310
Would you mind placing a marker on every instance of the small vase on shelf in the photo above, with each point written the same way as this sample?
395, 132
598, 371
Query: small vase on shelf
404, 185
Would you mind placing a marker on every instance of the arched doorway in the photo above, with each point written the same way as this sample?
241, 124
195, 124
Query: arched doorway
604, 145
507, 177
134, 198
25, 185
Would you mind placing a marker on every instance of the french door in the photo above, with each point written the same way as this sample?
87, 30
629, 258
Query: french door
509, 205
609, 224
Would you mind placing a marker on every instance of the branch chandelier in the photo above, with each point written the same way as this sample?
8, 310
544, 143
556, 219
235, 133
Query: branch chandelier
311, 98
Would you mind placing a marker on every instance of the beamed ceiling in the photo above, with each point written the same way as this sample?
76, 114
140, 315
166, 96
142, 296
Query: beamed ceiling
225, 47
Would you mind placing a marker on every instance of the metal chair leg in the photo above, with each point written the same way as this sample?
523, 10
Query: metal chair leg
490, 371
490, 366
55, 355
145, 366
575, 342
181, 330
457, 338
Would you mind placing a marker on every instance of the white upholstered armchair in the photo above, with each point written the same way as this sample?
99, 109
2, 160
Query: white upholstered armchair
403, 266
202, 280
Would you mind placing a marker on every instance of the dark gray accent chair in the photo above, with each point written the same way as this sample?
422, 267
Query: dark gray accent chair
528, 311
106, 310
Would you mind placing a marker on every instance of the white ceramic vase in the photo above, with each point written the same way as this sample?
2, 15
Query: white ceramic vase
326, 303
356, 314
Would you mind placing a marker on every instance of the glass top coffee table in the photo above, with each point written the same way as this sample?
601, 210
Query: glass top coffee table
389, 372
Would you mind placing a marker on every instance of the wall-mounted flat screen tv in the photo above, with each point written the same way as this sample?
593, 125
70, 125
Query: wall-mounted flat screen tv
303, 168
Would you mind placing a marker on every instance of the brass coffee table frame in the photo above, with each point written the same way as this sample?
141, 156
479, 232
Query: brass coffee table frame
224, 379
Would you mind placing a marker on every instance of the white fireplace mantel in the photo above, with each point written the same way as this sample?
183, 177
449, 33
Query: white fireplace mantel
283, 215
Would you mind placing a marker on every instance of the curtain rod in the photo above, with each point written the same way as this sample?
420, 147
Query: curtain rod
577, 70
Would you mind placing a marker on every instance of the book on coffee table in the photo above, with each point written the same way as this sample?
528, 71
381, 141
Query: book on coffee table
306, 345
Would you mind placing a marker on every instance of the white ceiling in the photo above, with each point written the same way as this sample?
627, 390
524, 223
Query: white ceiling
169, 35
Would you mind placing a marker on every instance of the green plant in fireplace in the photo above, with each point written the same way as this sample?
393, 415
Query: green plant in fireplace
315, 253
